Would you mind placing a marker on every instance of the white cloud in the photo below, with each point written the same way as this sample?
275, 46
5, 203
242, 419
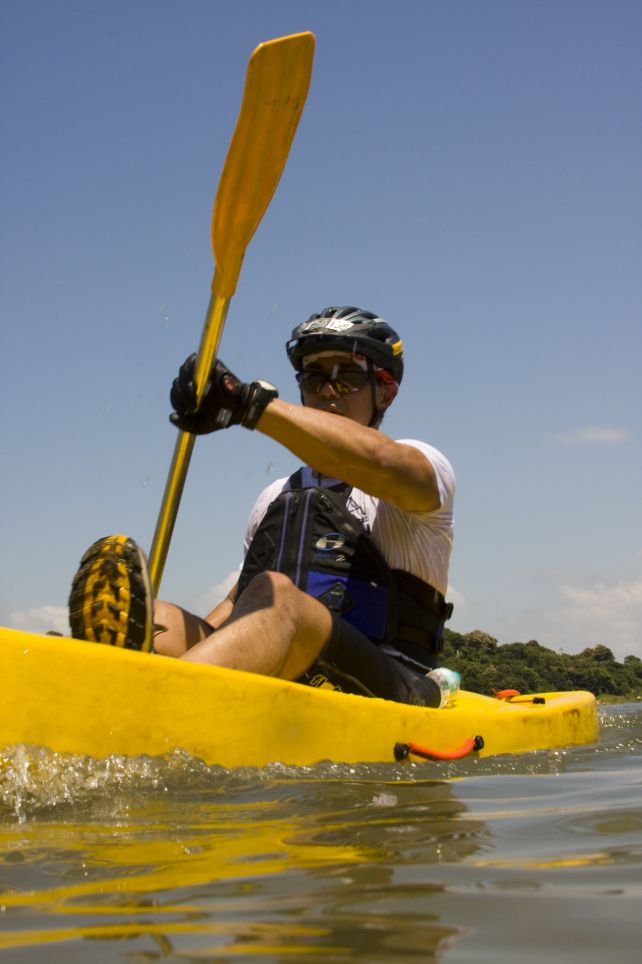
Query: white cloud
456, 598
205, 604
595, 435
602, 613
40, 619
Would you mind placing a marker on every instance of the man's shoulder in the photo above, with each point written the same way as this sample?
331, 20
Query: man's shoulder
437, 458
271, 491
261, 505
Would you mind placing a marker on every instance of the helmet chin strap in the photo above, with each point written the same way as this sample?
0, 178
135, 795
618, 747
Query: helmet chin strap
377, 414
383, 378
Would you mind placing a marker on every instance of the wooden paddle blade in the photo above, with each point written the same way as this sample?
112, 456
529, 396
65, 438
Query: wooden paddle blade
276, 86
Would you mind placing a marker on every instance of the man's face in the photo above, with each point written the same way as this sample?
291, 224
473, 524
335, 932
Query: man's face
350, 397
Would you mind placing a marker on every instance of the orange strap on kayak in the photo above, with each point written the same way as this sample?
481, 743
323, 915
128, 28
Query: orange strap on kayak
514, 696
403, 750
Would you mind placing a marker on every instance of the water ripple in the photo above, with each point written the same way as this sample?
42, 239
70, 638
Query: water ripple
482, 860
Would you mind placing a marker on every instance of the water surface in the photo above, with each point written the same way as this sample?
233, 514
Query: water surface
497, 859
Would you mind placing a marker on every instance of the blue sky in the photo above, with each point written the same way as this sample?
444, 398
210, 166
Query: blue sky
470, 171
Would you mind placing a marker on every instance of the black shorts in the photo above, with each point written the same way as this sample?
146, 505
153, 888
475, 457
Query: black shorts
354, 664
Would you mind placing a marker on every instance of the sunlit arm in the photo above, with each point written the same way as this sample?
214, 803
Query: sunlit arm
223, 610
364, 457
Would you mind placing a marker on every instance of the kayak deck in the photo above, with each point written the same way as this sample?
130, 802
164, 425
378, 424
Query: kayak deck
85, 698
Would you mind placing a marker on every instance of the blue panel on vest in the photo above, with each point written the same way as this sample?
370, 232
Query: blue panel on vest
358, 602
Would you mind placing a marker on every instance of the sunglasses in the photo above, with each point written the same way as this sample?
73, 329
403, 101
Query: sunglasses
343, 383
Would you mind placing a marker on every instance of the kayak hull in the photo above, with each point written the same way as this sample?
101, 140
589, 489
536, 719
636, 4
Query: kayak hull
85, 698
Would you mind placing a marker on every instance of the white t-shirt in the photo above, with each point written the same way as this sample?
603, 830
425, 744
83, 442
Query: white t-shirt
417, 542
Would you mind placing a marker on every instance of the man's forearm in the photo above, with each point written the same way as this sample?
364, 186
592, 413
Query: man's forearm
364, 457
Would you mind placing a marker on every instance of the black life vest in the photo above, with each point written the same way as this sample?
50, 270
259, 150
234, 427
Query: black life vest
310, 535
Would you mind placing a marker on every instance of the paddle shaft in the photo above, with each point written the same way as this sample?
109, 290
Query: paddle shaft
212, 331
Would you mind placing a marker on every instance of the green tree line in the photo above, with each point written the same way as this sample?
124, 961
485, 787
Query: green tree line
487, 667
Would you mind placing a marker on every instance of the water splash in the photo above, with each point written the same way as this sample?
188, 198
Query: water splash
35, 780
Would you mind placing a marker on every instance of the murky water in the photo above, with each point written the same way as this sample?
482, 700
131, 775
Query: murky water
515, 858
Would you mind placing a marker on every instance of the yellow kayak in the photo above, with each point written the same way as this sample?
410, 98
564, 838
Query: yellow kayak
85, 698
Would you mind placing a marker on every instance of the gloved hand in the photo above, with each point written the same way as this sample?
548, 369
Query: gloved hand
226, 400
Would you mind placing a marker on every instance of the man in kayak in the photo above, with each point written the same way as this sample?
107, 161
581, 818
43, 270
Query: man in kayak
346, 563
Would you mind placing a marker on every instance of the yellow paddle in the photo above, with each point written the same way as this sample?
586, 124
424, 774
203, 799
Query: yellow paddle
276, 86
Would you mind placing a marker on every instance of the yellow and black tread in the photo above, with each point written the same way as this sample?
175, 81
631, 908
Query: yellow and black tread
111, 596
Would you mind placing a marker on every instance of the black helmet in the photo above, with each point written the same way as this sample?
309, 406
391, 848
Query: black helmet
351, 330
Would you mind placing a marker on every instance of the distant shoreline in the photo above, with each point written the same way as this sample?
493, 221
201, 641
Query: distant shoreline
487, 667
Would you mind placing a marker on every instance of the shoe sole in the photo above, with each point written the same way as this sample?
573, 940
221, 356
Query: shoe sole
111, 596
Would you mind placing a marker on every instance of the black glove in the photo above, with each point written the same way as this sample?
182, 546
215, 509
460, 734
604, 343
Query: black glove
226, 400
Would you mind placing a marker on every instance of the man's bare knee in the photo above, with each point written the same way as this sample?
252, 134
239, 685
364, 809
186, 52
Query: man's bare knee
274, 629
268, 588
301, 616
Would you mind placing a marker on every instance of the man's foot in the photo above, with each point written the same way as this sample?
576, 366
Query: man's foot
111, 595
